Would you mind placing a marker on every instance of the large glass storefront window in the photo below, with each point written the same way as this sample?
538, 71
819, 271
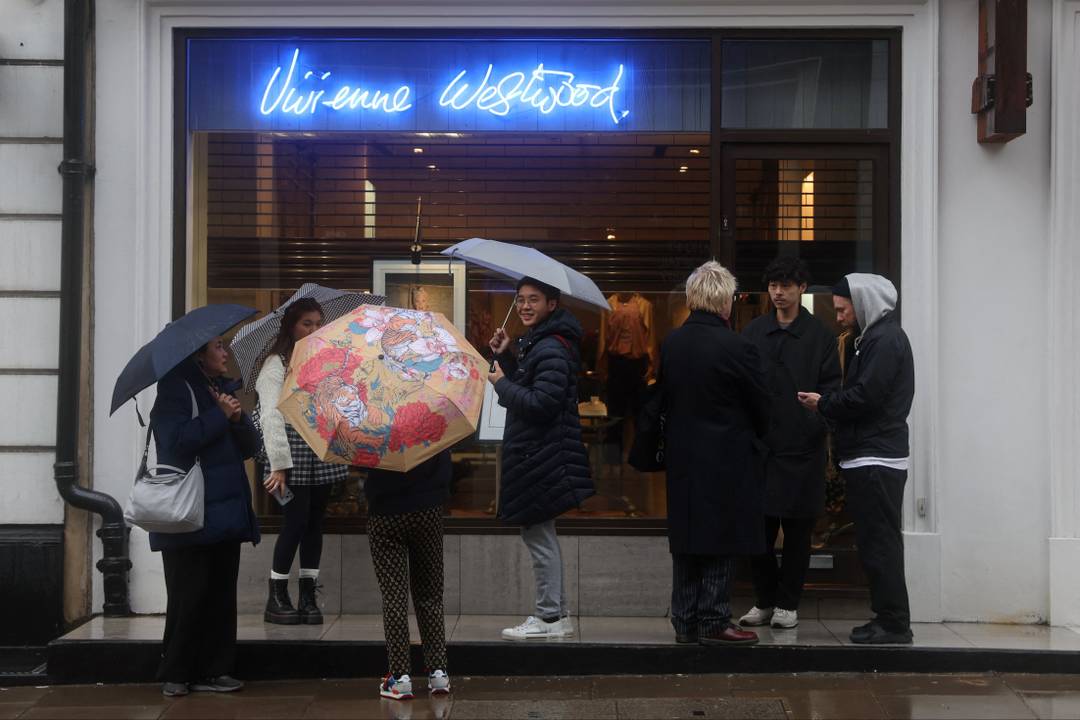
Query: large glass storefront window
631, 210
309, 159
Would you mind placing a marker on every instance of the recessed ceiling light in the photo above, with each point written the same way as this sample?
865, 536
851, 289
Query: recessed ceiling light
695, 151
432, 167
683, 168
418, 150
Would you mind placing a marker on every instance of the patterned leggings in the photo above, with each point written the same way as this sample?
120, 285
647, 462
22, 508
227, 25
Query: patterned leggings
407, 550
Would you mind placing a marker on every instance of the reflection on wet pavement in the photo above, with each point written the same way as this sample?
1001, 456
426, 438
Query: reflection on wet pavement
653, 697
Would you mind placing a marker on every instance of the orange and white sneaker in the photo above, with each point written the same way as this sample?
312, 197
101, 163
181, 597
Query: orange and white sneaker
396, 688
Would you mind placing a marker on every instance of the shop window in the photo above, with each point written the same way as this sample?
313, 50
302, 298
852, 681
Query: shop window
805, 84
275, 210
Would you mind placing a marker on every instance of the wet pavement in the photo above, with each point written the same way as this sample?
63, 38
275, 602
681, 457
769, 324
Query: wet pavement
602, 630
652, 697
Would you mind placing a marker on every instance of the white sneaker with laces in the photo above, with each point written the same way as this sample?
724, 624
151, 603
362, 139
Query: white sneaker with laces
785, 619
534, 627
439, 683
756, 617
396, 688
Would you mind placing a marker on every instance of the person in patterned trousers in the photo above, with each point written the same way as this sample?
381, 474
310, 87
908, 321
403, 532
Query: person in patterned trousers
290, 462
405, 531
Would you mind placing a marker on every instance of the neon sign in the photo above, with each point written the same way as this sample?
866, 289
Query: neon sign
440, 84
497, 97
288, 100
541, 89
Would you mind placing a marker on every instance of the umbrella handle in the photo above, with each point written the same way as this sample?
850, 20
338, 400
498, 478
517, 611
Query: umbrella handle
492, 368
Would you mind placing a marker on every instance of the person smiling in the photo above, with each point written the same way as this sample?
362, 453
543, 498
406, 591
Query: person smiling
545, 467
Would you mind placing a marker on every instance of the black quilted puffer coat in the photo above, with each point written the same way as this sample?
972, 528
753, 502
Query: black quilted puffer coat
545, 467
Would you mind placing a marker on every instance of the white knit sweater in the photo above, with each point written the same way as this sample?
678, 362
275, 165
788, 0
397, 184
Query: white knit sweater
271, 378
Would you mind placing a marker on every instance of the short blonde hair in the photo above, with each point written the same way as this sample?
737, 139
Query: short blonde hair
711, 288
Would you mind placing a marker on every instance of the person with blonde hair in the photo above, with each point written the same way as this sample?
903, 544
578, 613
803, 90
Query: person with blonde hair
716, 409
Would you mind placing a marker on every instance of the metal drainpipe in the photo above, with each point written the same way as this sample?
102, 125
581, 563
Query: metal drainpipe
77, 173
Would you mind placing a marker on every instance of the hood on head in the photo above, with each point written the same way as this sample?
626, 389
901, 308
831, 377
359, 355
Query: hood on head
873, 296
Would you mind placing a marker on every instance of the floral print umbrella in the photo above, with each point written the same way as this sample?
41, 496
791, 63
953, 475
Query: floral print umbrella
384, 387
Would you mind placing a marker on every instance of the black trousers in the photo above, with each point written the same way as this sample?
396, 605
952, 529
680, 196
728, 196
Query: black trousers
875, 497
407, 551
200, 622
701, 593
302, 529
782, 586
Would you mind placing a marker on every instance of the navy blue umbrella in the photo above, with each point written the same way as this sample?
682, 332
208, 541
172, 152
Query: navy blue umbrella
175, 342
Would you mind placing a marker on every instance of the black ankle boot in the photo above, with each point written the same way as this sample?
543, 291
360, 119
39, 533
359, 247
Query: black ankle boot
309, 607
279, 608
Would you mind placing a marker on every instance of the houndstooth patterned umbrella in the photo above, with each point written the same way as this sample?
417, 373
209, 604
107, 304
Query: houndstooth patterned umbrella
253, 340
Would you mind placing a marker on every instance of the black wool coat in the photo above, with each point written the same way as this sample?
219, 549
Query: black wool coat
801, 358
545, 467
717, 411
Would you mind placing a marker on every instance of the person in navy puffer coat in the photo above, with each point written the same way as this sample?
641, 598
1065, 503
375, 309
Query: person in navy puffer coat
545, 466
201, 567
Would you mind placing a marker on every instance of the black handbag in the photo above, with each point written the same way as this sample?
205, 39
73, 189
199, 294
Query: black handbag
647, 452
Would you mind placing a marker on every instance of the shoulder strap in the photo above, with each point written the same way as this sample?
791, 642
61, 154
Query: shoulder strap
564, 341
150, 429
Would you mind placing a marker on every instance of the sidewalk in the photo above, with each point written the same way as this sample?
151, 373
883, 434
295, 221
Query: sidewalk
600, 630
766, 697
127, 649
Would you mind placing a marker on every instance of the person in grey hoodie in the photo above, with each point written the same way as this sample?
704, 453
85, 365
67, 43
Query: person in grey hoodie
869, 414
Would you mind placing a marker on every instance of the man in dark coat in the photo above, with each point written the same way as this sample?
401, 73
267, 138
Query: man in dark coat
545, 467
716, 411
799, 354
870, 415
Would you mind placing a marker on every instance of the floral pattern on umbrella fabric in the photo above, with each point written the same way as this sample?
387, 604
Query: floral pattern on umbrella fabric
387, 381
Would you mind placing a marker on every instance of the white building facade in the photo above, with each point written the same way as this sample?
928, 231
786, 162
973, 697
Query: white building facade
987, 245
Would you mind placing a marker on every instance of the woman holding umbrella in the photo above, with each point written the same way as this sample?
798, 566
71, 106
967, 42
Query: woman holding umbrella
291, 463
201, 567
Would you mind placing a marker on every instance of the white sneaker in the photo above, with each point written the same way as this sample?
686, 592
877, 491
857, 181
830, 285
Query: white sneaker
756, 617
439, 683
536, 628
785, 619
396, 688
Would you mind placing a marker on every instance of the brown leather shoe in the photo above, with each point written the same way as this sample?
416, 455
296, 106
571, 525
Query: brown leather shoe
730, 635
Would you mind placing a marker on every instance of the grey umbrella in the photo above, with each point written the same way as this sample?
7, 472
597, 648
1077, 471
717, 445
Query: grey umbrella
253, 340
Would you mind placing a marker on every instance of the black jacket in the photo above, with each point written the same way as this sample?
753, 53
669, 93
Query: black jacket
425, 486
545, 468
221, 447
717, 410
870, 412
802, 357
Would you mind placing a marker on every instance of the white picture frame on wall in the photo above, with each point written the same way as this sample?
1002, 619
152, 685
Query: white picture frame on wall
435, 286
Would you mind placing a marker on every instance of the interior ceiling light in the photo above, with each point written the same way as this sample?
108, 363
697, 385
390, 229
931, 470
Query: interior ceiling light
418, 150
611, 236
683, 168
695, 151
432, 167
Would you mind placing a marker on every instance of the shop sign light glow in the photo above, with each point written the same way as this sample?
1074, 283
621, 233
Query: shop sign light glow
547, 90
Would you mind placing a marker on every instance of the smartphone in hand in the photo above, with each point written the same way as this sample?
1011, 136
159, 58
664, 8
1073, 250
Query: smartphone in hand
284, 496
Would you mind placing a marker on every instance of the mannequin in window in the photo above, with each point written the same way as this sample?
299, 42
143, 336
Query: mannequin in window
627, 346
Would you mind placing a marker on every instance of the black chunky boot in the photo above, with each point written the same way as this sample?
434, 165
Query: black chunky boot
279, 608
309, 607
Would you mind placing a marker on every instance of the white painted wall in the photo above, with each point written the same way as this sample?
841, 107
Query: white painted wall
30, 124
975, 223
993, 274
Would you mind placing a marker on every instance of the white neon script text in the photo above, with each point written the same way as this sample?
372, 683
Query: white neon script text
294, 102
541, 88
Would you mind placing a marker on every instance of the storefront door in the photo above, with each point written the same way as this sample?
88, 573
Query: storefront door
829, 205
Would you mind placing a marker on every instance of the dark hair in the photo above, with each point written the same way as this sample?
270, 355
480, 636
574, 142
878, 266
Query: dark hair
787, 268
283, 343
549, 293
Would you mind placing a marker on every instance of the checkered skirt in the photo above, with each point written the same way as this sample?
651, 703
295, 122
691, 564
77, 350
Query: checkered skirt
307, 468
